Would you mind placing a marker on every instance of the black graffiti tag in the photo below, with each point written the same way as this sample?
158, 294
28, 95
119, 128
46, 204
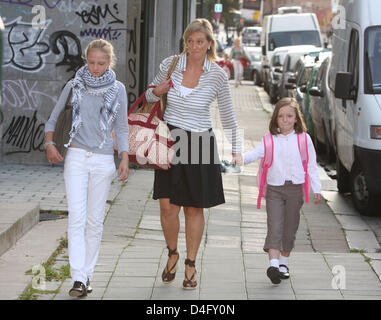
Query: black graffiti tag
132, 64
25, 49
62, 38
24, 133
96, 13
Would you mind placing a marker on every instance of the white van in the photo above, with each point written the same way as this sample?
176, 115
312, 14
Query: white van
355, 97
289, 29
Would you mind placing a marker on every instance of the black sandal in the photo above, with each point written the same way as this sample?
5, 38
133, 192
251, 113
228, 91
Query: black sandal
190, 284
167, 276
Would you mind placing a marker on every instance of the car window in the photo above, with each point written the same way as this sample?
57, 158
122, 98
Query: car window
292, 38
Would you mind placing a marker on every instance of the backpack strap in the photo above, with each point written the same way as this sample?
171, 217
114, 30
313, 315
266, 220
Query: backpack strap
303, 149
266, 163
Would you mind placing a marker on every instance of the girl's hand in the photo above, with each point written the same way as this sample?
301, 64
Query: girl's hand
52, 154
162, 88
317, 197
123, 170
237, 159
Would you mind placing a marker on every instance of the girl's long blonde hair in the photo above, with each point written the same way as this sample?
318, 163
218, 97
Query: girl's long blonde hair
202, 25
300, 125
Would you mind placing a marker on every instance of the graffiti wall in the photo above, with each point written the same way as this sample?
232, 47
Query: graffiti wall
43, 45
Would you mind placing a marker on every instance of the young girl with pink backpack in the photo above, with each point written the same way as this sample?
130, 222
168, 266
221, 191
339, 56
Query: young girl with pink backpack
287, 171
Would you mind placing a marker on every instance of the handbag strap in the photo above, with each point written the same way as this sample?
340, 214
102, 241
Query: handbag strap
157, 108
173, 66
68, 99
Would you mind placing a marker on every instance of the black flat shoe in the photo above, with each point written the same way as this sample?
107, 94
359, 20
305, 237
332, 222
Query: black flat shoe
274, 275
284, 275
78, 290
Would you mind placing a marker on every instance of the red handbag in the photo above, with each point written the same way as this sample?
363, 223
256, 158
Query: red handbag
149, 139
244, 62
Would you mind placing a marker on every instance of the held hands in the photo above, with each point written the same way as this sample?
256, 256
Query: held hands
237, 159
52, 154
317, 197
162, 88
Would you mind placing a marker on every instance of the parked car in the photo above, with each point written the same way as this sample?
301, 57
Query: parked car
252, 35
288, 29
275, 73
253, 70
320, 109
290, 60
298, 84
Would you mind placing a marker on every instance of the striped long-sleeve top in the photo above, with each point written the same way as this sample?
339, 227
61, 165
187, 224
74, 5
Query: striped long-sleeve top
192, 112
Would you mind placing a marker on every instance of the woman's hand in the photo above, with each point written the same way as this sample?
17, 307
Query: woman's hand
162, 88
123, 170
52, 154
237, 159
317, 197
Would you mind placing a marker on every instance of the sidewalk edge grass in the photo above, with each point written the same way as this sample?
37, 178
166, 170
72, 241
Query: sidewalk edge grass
63, 273
369, 262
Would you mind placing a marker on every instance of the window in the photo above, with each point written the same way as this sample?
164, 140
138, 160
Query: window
372, 60
293, 38
353, 61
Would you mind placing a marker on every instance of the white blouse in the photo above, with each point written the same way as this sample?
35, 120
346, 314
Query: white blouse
287, 163
185, 91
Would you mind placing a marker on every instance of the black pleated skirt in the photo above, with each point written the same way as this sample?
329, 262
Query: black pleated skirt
194, 179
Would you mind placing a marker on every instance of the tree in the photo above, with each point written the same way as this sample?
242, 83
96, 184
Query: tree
228, 16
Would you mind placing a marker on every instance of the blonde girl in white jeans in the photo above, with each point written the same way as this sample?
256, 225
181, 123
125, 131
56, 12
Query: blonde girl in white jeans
236, 54
99, 106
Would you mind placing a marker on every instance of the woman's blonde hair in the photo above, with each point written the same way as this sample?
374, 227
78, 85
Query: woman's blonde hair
300, 125
202, 25
105, 46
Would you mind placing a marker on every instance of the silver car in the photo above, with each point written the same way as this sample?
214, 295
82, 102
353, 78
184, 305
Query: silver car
320, 110
252, 35
254, 68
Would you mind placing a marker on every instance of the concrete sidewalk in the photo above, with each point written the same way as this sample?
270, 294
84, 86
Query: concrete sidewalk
231, 264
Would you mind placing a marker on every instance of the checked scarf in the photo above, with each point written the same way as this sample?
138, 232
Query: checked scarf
104, 85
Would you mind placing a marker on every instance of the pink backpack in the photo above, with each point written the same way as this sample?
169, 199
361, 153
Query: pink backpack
267, 161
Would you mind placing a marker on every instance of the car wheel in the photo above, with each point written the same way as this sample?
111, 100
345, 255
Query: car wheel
364, 201
343, 177
273, 97
256, 78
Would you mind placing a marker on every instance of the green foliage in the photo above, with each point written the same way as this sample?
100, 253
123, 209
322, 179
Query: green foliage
228, 8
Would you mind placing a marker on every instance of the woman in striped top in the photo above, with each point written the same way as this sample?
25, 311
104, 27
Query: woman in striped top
194, 179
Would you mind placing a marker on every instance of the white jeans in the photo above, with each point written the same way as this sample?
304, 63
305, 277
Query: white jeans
88, 179
238, 70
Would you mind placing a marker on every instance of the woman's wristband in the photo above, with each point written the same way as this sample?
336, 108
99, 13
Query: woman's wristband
47, 143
